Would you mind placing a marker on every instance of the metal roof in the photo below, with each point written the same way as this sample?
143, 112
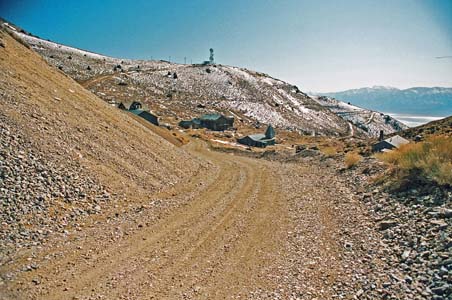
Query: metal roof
212, 117
257, 137
260, 137
270, 132
140, 111
397, 141
136, 111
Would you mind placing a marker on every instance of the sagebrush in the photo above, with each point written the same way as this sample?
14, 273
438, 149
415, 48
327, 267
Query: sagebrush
430, 160
351, 159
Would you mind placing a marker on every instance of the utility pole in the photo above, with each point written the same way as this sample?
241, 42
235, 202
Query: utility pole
169, 58
185, 60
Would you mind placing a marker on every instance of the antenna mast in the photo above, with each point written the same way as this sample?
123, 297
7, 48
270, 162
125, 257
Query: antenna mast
211, 59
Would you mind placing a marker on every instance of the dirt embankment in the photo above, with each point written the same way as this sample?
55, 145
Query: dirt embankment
65, 153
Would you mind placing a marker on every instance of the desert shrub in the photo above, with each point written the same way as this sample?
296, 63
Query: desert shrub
430, 160
329, 151
351, 159
329, 147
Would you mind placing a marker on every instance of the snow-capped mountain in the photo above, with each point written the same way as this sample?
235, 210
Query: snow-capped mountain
433, 101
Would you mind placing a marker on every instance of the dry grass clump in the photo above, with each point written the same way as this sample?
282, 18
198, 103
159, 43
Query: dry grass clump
351, 159
430, 160
330, 147
329, 151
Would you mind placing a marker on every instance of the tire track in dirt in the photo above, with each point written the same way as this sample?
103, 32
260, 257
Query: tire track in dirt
214, 246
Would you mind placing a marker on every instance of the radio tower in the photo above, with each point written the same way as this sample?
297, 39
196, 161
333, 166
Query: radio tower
211, 60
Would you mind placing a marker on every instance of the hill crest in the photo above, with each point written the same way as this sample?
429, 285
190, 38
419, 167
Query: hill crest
177, 91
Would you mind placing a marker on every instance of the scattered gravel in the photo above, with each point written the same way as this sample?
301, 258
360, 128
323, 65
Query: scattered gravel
31, 184
416, 239
354, 240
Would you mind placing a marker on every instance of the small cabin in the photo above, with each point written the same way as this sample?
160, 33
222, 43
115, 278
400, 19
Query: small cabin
185, 124
389, 143
216, 122
194, 123
130, 105
261, 140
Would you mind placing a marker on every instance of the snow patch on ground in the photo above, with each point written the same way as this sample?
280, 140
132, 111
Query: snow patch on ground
367, 121
260, 112
300, 107
39, 43
230, 143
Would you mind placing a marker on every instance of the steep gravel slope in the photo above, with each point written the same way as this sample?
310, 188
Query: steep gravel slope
64, 152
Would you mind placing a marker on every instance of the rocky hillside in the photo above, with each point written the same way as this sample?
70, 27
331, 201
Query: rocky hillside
176, 91
367, 121
412, 259
439, 127
65, 153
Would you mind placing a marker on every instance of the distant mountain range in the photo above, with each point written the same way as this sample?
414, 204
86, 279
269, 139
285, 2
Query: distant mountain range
434, 101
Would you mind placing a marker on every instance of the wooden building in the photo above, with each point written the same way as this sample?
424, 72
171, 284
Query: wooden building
389, 143
261, 140
130, 105
215, 122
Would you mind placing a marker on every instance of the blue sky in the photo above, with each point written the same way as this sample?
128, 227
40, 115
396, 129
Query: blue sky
317, 45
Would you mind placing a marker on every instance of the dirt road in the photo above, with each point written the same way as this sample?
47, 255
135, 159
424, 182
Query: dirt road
230, 238
214, 246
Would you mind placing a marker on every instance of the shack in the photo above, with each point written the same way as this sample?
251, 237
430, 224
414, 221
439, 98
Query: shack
194, 123
146, 115
260, 140
130, 105
185, 124
216, 122
389, 143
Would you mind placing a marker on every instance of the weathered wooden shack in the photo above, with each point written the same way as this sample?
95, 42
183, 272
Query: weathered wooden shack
194, 123
260, 140
389, 143
217, 122
185, 124
130, 105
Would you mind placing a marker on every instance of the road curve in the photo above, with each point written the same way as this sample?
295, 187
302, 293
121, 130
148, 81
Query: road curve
219, 244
